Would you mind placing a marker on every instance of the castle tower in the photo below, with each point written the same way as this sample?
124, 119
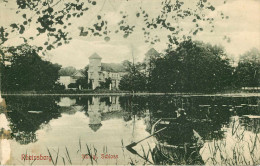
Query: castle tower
94, 70
94, 113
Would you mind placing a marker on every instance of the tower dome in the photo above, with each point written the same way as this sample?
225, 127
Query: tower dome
95, 56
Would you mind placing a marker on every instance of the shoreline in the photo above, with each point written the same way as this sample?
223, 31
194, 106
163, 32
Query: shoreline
239, 94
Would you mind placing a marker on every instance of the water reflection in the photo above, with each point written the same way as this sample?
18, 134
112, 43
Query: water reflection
28, 114
110, 121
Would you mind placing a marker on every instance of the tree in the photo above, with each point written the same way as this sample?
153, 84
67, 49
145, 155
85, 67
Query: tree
82, 82
67, 71
247, 72
193, 66
106, 84
53, 21
73, 85
133, 82
149, 62
27, 71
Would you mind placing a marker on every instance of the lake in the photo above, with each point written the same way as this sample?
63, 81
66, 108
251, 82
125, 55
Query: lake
95, 129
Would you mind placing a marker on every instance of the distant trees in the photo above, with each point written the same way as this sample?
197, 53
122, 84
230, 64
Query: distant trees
135, 79
27, 71
192, 67
247, 73
67, 71
133, 82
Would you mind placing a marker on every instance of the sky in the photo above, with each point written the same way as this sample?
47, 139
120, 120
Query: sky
242, 27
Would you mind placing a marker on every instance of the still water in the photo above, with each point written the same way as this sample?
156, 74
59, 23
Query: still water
95, 129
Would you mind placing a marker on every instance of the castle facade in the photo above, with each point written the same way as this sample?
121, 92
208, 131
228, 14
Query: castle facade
98, 72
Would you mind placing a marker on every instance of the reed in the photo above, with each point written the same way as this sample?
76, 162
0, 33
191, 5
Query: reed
242, 150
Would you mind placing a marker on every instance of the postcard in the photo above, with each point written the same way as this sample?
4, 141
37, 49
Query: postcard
129, 82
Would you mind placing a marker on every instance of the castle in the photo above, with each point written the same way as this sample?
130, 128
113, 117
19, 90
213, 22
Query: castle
98, 72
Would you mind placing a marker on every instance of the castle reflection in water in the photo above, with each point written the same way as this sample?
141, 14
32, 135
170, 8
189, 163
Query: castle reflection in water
26, 115
31, 120
98, 109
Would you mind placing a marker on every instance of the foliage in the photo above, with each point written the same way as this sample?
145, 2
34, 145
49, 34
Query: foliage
193, 66
131, 67
58, 86
53, 21
73, 85
67, 71
106, 84
247, 73
27, 71
133, 82
83, 82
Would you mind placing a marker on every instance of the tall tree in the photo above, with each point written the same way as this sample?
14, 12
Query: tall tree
248, 70
27, 71
133, 82
193, 66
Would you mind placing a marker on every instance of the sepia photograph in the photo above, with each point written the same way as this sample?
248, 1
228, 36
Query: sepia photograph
130, 82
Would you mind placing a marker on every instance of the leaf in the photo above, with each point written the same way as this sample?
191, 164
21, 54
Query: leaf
79, 7
107, 38
171, 28
50, 47
195, 32
50, 9
40, 30
14, 26
96, 34
211, 8
21, 29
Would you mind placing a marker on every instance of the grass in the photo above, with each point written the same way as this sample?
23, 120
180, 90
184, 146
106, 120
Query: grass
238, 148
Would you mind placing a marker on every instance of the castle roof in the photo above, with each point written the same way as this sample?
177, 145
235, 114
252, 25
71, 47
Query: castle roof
95, 127
95, 56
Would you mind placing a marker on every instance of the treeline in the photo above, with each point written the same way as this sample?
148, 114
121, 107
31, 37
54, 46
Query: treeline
193, 67
22, 69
